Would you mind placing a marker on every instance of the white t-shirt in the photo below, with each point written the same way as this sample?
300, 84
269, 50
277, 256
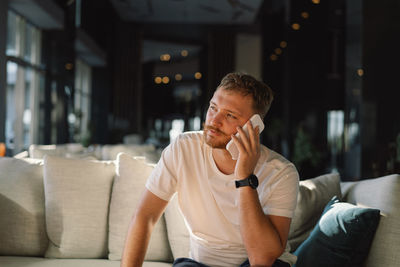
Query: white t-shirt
208, 198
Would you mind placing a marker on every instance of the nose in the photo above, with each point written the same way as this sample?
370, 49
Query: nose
216, 119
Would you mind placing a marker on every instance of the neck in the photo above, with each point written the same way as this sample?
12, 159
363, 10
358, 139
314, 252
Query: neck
223, 160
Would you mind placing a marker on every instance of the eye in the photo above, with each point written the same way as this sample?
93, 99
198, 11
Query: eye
229, 115
213, 108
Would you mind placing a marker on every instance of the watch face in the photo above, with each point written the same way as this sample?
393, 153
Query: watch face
253, 181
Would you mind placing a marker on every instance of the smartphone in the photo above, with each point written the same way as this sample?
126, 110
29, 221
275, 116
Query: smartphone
255, 121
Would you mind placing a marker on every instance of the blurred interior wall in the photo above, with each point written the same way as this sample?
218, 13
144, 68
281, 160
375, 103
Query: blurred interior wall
3, 72
248, 54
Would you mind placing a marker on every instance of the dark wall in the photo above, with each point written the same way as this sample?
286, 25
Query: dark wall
381, 89
319, 70
117, 89
343, 57
308, 79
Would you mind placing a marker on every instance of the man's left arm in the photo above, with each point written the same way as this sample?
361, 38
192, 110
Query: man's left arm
264, 236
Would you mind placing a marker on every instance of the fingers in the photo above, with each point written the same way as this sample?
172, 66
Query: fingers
254, 134
249, 150
243, 138
250, 142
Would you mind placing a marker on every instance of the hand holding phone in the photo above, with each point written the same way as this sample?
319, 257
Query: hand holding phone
255, 121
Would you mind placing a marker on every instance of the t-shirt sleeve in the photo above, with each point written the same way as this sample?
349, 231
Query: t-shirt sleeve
280, 198
163, 180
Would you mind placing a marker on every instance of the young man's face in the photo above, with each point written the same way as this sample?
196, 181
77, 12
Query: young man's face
227, 110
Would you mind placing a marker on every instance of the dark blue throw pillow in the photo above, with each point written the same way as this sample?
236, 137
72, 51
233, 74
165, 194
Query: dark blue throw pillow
342, 237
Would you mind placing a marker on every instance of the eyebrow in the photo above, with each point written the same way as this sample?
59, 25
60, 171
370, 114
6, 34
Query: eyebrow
228, 110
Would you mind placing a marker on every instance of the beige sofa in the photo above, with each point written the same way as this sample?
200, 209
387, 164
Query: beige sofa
75, 212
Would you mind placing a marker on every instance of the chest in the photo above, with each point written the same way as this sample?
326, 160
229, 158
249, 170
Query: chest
224, 164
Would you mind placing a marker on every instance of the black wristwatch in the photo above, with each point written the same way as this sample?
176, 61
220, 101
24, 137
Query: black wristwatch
251, 181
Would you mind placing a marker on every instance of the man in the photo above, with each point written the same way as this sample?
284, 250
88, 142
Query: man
228, 225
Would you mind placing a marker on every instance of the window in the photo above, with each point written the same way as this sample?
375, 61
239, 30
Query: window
79, 119
23, 83
335, 136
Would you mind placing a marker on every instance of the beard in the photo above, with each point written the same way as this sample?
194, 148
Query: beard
215, 141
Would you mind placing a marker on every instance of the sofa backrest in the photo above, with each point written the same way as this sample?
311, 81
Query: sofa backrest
381, 193
39, 151
70, 201
110, 152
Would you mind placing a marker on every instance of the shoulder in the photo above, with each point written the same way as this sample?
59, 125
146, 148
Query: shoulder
193, 136
187, 138
188, 141
275, 160
273, 164
279, 181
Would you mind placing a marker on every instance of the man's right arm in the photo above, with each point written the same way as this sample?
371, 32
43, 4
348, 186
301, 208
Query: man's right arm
146, 216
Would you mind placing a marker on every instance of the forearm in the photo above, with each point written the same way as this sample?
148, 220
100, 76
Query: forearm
261, 239
136, 242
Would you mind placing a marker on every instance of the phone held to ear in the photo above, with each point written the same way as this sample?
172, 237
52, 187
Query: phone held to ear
255, 121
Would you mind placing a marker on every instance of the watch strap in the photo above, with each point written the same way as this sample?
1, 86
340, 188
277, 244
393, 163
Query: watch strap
251, 181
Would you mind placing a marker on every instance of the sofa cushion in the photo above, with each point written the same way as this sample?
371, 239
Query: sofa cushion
129, 184
39, 151
77, 194
313, 195
110, 152
380, 193
22, 218
178, 234
342, 236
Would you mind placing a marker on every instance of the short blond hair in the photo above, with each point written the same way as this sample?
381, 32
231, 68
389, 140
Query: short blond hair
248, 85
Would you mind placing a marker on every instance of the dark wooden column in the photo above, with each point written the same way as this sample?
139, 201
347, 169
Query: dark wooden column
127, 79
221, 58
59, 57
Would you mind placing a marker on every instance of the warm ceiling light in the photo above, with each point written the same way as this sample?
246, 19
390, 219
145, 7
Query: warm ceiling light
315, 1
197, 75
165, 57
296, 26
184, 53
360, 72
178, 76
165, 79
273, 57
278, 51
283, 44
157, 80
305, 15
69, 66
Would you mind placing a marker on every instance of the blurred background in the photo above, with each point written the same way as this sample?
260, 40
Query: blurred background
142, 71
